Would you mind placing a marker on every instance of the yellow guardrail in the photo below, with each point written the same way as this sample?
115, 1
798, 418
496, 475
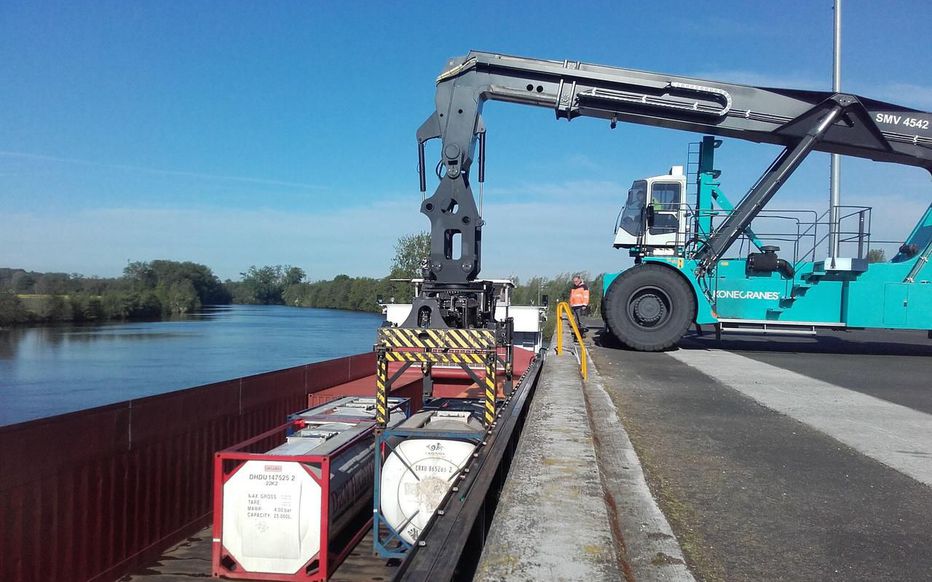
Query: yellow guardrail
563, 308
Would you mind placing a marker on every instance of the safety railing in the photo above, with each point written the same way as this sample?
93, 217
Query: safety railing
563, 308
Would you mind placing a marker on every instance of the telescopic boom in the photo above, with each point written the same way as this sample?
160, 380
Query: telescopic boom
801, 121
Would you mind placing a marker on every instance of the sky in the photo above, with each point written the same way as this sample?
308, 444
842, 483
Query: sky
252, 133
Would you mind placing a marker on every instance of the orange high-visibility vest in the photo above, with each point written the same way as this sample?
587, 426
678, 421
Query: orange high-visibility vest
579, 297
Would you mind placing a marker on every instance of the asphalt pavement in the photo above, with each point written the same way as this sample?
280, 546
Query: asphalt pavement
787, 458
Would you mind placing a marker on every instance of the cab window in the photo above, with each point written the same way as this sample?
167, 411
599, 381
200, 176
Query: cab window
631, 216
665, 198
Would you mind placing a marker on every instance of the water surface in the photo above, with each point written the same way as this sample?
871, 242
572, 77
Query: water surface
54, 369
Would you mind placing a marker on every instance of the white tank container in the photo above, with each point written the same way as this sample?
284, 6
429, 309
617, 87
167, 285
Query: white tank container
273, 509
419, 472
355, 408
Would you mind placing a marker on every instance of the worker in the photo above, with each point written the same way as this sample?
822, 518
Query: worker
664, 218
657, 203
579, 302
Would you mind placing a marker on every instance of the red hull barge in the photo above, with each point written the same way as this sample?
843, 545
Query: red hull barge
90, 495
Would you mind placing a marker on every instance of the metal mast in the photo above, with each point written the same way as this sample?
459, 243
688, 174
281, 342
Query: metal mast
834, 243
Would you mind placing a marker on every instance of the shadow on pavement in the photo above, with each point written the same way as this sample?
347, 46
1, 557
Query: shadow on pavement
858, 342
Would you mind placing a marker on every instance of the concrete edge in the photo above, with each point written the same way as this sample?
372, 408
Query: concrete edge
651, 550
552, 522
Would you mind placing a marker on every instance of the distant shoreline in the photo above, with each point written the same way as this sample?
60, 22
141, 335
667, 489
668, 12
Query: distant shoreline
45, 322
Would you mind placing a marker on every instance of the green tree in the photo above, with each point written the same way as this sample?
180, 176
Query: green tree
11, 309
145, 305
24, 282
876, 256
181, 298
261, 285
141, 275
77, 306
292, 276
116, 305
52, 284
296, 294
363, 294
595, 294
206, 285
411, 250
92, 307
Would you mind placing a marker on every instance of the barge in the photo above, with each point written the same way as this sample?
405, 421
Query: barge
96, 494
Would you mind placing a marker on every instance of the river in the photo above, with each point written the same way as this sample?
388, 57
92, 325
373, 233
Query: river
54, 369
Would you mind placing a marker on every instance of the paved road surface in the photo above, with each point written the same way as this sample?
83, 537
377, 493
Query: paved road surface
788, 459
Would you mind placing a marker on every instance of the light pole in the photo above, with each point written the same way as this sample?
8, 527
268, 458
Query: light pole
834, 243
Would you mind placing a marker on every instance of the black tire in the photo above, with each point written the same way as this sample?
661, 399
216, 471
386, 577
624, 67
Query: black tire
649, 307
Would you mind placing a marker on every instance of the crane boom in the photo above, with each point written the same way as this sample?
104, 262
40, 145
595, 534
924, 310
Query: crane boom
801, 121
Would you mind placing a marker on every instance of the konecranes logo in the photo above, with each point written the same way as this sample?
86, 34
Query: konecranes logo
735, 294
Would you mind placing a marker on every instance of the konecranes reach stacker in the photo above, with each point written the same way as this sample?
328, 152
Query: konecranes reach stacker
681, 276
756, 292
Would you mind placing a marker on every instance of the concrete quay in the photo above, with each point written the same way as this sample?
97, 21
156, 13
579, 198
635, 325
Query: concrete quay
576, 505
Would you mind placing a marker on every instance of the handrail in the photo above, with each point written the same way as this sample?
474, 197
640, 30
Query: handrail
564, 308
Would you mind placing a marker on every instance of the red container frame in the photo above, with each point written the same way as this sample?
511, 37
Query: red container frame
328, 561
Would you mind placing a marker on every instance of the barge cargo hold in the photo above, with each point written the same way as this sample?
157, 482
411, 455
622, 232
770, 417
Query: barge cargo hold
91, 495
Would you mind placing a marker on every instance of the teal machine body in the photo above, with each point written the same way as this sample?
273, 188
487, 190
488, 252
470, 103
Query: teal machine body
766, 287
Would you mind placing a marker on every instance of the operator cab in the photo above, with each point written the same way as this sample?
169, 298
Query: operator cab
653, 219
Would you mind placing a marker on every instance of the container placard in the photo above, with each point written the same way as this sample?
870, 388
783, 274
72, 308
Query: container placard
271, 516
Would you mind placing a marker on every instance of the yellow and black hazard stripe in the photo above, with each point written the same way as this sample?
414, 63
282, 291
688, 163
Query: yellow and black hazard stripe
434, 357
393, 337
381, 393
465, 339
489, 382
475, 339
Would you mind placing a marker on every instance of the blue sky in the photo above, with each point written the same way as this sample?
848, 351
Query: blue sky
241, 133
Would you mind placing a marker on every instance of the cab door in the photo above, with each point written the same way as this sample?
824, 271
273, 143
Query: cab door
667, 227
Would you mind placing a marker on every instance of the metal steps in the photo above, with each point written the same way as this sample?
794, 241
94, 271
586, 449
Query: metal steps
769, 327
797, 291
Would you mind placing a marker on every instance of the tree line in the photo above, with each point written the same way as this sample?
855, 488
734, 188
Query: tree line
287, 285
147, 290
163, 288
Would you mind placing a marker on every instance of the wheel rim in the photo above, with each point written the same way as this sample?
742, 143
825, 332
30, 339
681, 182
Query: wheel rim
649, 307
